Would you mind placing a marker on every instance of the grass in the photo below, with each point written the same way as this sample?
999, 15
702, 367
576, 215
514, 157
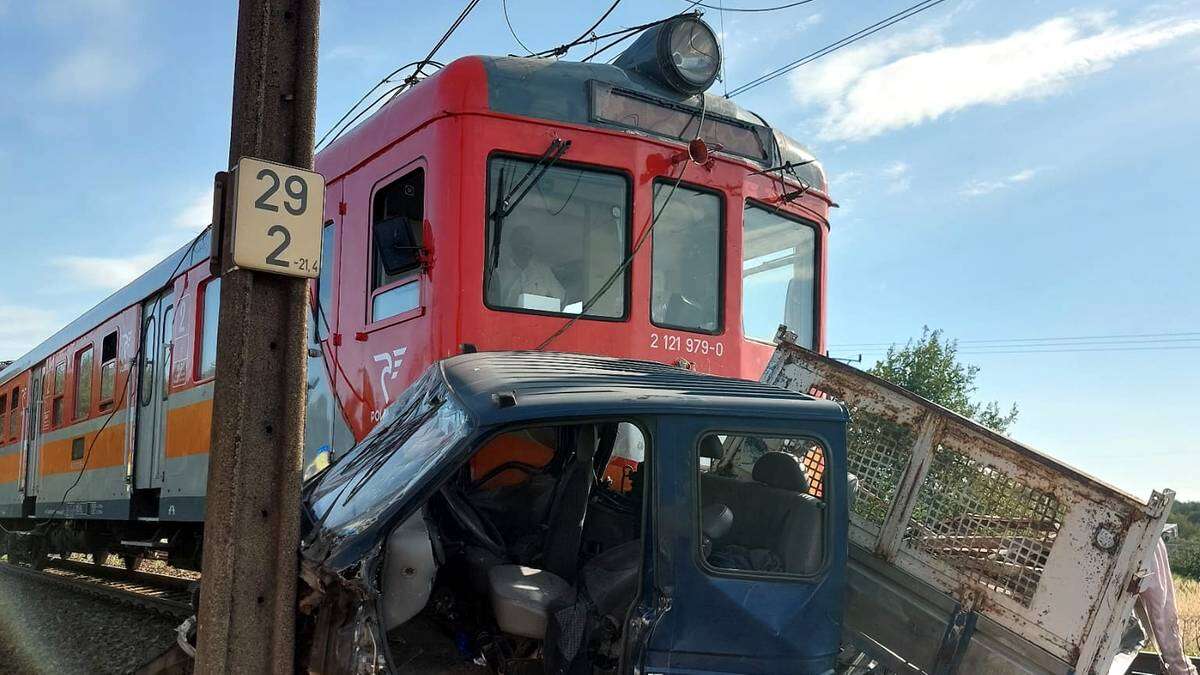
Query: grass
1187, 599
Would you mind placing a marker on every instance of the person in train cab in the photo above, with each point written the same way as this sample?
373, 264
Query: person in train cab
525, 280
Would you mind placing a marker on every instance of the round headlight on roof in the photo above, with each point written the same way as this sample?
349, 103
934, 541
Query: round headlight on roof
681, 53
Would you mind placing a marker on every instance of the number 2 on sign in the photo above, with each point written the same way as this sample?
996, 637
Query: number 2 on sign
297, 189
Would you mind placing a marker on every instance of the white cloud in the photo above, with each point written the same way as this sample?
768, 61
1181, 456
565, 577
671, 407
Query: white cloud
978, 188
914, 78
22, 328
108, 273
92, 72
897, 176
197, 214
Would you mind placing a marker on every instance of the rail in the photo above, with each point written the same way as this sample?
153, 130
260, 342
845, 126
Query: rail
155, 592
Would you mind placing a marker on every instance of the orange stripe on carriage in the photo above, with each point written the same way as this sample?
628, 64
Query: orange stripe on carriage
101, 452
10, 467
189, 429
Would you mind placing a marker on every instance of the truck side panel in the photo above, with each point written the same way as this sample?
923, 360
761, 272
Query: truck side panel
1025, 552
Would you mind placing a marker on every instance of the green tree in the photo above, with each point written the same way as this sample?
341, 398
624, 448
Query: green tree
929, 367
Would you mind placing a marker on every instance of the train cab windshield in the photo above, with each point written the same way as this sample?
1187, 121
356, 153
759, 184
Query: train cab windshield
556, 246
778, 275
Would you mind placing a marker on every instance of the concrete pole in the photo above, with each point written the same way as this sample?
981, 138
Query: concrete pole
251, 529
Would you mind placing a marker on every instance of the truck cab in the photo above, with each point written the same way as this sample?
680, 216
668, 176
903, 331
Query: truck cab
544, 512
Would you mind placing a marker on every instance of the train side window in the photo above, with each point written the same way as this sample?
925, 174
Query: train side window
108, 370
60, 387
3, 409
397, 218
686, 259
77, 449
210, 308
325, 281
14, 415
83, 382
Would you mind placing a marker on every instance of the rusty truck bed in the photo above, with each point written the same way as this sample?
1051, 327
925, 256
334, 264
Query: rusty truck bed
969, 550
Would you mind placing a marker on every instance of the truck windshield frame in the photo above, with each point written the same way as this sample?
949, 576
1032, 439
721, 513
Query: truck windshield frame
556, 230
768, 301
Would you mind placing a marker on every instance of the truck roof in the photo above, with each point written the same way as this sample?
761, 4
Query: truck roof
503, 387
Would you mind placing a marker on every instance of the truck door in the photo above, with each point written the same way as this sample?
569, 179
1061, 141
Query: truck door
33, 431
153, 378
750, 549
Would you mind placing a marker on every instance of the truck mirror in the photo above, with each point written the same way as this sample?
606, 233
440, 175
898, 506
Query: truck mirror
851, 491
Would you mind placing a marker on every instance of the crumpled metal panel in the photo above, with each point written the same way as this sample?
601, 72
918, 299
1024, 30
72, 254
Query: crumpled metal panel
1036, 546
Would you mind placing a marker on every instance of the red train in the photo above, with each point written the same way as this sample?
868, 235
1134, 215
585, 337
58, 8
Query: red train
502, 203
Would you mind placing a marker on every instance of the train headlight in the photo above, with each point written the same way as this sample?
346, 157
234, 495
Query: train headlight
681, 53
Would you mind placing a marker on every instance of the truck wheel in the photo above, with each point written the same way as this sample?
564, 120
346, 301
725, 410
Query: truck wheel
132, 561
99, 557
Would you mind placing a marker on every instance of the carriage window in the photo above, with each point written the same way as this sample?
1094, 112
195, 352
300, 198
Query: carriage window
778, 276
14, 418
60, 380
83, 383
397, 218
3, 409
108, 369
206, 365
686, 259
560, 241
762, 504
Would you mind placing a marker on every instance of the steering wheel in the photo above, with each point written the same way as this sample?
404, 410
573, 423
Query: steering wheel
469, 519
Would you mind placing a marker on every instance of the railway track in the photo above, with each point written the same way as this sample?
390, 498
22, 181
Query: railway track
155, 592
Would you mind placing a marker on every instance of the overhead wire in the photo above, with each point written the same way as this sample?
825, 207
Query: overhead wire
418, 71
511, 30
620, 270
835, 46
776, 8
1175, 336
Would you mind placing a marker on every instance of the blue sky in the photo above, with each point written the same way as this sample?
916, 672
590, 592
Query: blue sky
1005, 170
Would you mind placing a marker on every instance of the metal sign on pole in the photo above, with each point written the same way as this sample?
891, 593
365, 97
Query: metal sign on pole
266, 246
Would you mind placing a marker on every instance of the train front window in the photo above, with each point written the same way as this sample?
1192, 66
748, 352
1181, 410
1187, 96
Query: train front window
778, 276
686, 259
558, 246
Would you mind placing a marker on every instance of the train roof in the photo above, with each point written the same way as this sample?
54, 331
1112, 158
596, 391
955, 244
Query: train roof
157, 277
549, 89
565, 384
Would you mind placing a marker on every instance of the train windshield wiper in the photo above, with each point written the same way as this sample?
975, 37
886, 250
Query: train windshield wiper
511, 200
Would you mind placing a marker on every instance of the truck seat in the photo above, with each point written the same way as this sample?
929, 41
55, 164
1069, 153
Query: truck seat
523, 598
782, 522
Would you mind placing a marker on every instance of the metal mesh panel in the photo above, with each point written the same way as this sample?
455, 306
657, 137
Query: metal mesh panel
878, 450
813, 459
992, 527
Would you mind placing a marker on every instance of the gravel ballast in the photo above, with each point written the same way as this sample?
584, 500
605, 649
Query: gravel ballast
48, 629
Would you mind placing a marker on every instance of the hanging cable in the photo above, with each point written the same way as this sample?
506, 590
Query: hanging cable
620, 270
833, 47
511, 31
750, 9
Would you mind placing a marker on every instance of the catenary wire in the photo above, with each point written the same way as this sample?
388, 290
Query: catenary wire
408, 81
511, 30
833, 47
750, 9
620, 270
1133, 337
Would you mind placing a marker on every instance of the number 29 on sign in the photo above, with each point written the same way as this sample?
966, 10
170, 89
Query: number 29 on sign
277, 218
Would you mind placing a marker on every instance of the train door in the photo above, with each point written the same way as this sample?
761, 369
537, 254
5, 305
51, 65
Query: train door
153, 386
33, 432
